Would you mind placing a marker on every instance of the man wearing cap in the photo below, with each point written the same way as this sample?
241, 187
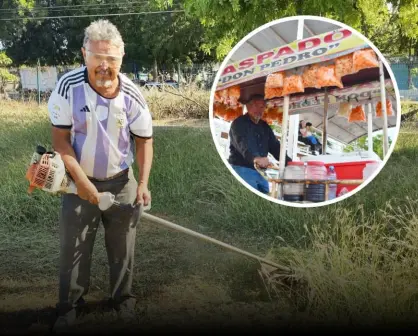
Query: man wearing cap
251, 139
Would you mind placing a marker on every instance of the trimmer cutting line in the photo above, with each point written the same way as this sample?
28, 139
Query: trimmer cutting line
47, 172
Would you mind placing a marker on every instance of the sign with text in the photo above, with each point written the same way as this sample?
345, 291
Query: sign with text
315, 49
356, 94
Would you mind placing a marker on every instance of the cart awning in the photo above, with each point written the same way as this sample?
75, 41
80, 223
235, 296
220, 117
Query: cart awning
253, 59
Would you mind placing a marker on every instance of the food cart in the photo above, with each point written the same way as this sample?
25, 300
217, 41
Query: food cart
333, 79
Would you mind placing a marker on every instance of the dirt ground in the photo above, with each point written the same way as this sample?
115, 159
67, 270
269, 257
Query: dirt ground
181, 283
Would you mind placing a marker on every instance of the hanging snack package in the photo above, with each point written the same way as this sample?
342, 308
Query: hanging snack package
344, 110
344, 65
266, 116
275, 80
270, 93
234, 93
239, 110
364, 59
279, 118
326, 76
379, 110
357, 114
293, 82
218, 97
309, 76
230, 114
220, 110
221, 96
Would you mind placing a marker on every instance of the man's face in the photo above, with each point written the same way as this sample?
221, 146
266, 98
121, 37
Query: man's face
103, 61
256, 108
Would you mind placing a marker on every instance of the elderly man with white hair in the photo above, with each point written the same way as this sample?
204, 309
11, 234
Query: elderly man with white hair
101, 124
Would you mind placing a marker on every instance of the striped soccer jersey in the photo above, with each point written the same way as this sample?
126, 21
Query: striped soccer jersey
101, 128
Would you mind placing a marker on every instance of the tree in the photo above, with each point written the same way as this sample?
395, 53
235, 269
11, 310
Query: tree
5, 75
152, 39
227, 22
362, 144
160, 43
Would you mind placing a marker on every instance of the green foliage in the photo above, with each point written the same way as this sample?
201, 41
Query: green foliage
165, 38
4, 60
227, 22
5, 75
362, 144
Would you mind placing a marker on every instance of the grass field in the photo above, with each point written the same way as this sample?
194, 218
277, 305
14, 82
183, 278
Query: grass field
357, 257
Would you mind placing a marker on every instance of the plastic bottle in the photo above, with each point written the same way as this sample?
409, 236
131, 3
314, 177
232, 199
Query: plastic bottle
332, 191
293, 192
315, 170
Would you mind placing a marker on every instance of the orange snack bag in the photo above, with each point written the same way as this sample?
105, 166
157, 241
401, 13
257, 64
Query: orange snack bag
279, 118
234, 91
363, 59
274, 80
379, 110
221, 95
310, 76
274, 111
269, 115
219, 110
344, 65
357, 114
293, 83
326, 76
230, 114
239, 110
272, 92
268, 118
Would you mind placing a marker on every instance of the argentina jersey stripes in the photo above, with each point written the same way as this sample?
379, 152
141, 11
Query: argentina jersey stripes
102, 129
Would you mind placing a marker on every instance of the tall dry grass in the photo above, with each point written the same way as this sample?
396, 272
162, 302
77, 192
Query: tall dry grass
357, 268
189, 102
357, 258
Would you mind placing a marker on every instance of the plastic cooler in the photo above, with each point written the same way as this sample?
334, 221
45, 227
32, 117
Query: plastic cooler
349, 170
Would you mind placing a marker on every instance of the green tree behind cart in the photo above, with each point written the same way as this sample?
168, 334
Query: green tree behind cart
362, 144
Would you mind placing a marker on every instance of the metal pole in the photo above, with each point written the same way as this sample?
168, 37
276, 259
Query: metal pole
383, 100
294, 119
283, 142
370, 129
325, 123
38, 83
212, 240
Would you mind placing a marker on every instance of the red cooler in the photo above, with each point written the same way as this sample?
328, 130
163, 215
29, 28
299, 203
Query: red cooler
349, 171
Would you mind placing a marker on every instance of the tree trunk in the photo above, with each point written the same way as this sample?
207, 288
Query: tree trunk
410, 66
155, 71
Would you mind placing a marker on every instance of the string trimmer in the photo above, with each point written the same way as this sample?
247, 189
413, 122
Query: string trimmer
47, 172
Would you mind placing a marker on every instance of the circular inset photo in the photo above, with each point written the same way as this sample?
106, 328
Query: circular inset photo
305, 111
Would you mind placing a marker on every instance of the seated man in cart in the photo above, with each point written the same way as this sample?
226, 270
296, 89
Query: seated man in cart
251, 139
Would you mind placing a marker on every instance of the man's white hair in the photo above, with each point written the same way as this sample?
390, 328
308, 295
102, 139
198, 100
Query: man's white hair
103, 30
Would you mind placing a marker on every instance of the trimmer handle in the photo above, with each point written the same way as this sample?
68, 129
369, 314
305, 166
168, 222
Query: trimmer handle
107, 199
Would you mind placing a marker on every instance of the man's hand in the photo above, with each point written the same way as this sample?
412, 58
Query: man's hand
263, 162
143, 195
87, 191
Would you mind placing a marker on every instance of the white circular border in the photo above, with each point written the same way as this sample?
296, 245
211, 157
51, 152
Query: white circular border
267, 197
